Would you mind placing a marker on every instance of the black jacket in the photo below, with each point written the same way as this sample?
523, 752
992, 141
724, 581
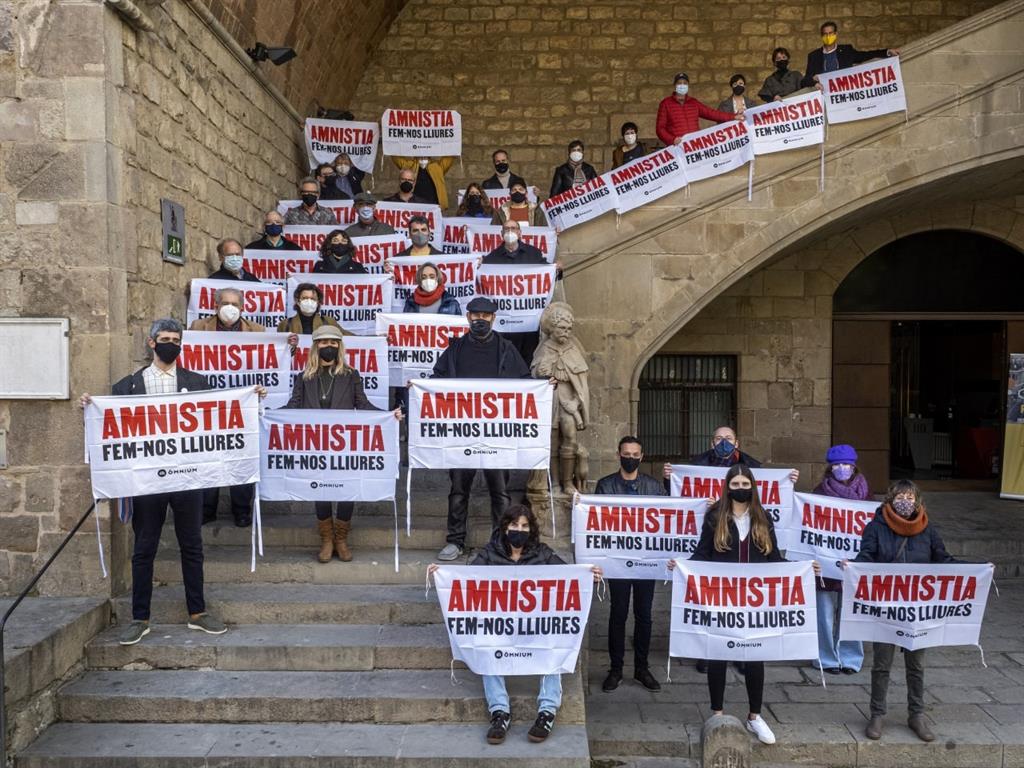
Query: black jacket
223, 274
355, 182
346, 393
510, 363
264, 245
564, 175
880, 544
525, 254
433, 251
710, 459
134, 384
614, 485
494, 183
496, 554
327, 266
848, 57
706, 552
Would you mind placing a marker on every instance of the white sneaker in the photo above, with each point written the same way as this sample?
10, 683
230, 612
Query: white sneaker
760, 728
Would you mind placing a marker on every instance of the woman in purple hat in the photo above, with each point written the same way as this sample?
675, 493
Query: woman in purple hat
843, 480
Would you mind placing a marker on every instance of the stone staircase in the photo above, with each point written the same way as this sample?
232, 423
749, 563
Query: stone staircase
344, 664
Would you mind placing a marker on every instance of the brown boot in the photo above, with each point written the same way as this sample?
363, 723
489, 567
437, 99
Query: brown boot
326, 531
874, 729
920, 727
341, 529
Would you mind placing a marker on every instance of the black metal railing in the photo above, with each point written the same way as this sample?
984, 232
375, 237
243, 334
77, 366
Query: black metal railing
7, 615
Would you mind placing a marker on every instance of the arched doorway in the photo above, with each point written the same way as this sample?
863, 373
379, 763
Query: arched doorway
921, 336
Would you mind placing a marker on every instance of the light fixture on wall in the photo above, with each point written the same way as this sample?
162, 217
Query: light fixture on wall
277, 56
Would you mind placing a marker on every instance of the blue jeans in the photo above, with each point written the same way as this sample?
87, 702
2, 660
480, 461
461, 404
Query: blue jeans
548, 700
848, 654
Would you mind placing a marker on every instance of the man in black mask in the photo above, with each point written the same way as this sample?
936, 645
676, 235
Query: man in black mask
310, 211
629, 481
503, 177
480, 354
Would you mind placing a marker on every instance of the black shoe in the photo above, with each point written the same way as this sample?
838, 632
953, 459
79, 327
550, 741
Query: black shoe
701, 666
831, 670
243, 521
741, 667
500, 722
612, 681
849, 671
646, 679
541, 727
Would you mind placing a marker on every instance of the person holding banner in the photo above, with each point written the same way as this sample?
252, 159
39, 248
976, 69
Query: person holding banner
503, 177
783, 81
405, 193
572, 173
475, 204
680, 113
367, 224
900, 533
630, 481
519, 209
736, 102
725, 452
430, 185
230, 252
419, 234
328, 190
337, 255
328, 382
430, 296
738, 530
149, 512
273, 237
630, 149
347, 178
832, 56
308, 318
516, 541
310, 211
842, 480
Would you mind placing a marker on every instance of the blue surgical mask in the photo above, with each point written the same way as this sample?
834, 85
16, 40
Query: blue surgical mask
682, 88
233, 262
273, 229
724, 449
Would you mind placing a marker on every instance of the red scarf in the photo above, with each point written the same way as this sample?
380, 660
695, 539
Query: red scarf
426, 299
905, 526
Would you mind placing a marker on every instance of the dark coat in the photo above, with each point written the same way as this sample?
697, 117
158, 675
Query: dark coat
614, 485
710, 459
346, 394
223, 274
621, 155
525, 254
355, 183
449, 305
848, 57
494, 183
350, 267
510, 363
562, 180
879, 544
134, 384
263, 244
496, 554
706, 552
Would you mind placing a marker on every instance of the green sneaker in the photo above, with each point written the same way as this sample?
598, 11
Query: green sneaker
206, 623
134, 632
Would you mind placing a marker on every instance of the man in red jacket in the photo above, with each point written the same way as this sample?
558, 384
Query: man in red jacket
679, 113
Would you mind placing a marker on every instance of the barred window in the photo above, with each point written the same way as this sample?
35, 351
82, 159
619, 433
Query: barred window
683, 399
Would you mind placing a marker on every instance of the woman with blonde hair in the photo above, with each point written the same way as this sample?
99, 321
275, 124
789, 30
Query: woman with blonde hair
328, 381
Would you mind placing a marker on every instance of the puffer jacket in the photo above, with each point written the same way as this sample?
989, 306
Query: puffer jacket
495, 553
881, 544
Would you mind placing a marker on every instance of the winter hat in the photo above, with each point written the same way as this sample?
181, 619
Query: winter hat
841, 454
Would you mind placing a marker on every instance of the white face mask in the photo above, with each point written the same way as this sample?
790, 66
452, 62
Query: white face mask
424, 162
429, 285
682, 89
229, 314
630, 139
511, 237
233, 262
307, 306
343, 169
576, 156
366, 212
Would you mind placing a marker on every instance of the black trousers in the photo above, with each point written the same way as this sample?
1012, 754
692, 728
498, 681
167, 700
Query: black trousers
458, 500
755, 684
148, 516
241, 501
643, 599
344, 510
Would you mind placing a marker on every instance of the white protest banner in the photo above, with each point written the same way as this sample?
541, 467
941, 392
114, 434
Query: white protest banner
344, 210
318, 454
516, 620
416, 340
421, 132
367, 354
309, 237
143, 444
521, 294
274, 266
498, 197
480, 423
459, 272
867, 90
397, 215
455, 237
326, 139
716, 150
484, 238
352, 300
826, 529
743, 611
647, 178
634, 537
774, 487
916, 605
262, 303
580, 204
230, 360
372, 251
793, 123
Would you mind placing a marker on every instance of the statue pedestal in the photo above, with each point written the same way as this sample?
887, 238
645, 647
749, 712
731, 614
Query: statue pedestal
725, 743
540, 503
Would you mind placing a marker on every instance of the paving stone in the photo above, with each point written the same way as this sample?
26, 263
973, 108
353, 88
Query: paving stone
815, 713
808, 743
963, 745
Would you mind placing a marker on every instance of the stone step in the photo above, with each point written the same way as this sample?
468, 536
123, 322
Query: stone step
264, 603
291, 745
389, 696
648, 762
280, 647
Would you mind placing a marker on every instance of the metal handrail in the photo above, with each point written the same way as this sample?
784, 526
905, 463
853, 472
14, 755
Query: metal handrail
7, 615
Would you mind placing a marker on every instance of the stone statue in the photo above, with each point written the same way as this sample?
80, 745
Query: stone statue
560, 356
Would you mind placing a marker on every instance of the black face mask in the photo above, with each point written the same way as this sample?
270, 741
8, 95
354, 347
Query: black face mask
309, 199
479, 328
328, 354
473, 202
518, 197
738, 89
629, 464
341, 251
782, 65
167, 351
406, 186
742, 495
501, 167
517, 539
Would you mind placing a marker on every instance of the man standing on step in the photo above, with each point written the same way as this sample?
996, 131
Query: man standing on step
630, 481
164, 377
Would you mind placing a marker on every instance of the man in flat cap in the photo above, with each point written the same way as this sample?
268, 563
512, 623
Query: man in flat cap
679, 113
367, 224
480, 354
